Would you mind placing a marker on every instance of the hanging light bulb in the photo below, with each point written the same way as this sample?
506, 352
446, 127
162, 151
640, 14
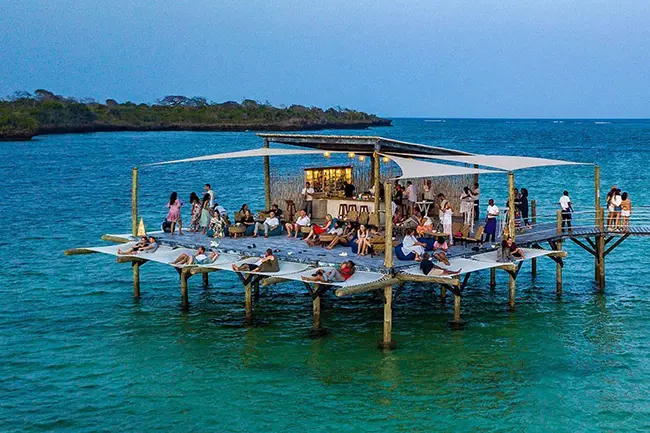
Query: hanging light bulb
386, 159
351, 155
362, 158
326, 154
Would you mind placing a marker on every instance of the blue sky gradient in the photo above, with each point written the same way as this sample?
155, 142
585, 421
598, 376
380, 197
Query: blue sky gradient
414, 58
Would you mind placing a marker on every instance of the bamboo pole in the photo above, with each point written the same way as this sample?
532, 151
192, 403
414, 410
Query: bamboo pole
558, 271
134, 201
533, 212
267, 177
387, 341
388, 253
376, 177
136, 279
511, 204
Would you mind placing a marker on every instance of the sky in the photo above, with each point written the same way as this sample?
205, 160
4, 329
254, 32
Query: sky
419, 58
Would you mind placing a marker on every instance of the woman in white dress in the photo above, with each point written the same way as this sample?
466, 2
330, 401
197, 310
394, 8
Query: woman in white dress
467, 207
411, 245
447, 218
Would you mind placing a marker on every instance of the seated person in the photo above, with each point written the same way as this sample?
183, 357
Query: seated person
217, 225
336, 230
411, 245
319, 230
428, 268
413, 220
348, 235
303, 220
510, 249
220, 209
269, 224
398, 218
268, 263
363, 240
425, 225
134, 249
440, 248
276, 210
343, 273
200, 258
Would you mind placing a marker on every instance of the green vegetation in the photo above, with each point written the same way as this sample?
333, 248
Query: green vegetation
23, 115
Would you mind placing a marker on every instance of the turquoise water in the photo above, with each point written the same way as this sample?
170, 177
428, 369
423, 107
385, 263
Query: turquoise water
78, 353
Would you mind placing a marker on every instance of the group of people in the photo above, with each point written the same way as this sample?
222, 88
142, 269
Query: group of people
619, 209
206, 213
344, 233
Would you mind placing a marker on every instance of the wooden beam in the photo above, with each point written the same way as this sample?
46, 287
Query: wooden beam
493, 278
427, 279
354, 290
388, 252
457, 324
617, 243
270, 281
116, 239
134, 201
609, 239
600, 262
558, 219
194, 270
465, 280
583, 246
590, 242
78, 251
248, 302
130, 259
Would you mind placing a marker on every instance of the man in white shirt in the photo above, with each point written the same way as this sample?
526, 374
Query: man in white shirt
303, 220
491, 222
307, 198
220, 209
429, 195
269, 224
208, 190
567, 209
411, 195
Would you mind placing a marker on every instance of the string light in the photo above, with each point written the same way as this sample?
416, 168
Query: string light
386, 159
362, 158
326, 154
351, 155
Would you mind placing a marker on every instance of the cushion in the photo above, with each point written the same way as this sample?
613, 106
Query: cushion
400, 254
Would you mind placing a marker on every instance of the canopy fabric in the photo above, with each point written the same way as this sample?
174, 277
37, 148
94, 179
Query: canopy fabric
503, 162
263, 151
412, 168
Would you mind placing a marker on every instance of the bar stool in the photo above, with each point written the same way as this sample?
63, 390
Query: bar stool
364, 208
352, 207
291, 209
343, 210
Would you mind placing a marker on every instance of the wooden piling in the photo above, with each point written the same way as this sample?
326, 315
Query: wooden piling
317, 330
136, 279
267, 177
600, 262
248, 302
493, 278
597, 187
185, 275
443, 294
134, 201
558, 220
205, 279
511, 293
388, 253
533, 213
376, 177
387, 341
511, 204
558, 271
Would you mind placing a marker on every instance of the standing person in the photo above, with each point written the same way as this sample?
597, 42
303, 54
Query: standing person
610, 206
523, 206
567, 209
447, 222
476, 192
467, 207
442, 206
348, 189
174, 214
616, 201
491, 221
204, 221
269, 224
308, 198
195, 203
411, 195
626, 211
208, 190
429, 195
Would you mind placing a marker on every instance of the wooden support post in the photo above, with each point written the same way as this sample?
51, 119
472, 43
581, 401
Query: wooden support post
511, 293
317, 330
248, 301
457, 324
205, 279
493, 278
267, 177
533, 213
475, 174
376, 177
185, 275
443, 294
558, 271
511, 204
558, 220
387, 341
388, 253
136, 279
600, 262
597, 187
134, 201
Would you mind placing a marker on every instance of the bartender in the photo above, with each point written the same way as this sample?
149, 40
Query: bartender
348, 189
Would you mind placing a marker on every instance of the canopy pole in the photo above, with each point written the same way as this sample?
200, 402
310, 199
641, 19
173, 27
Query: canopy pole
134, 201
533, 213
267, 177
388, 236
376, 177
597, 188
558, 270
511, 204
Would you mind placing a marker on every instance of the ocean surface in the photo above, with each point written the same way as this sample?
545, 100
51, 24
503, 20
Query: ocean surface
79, 353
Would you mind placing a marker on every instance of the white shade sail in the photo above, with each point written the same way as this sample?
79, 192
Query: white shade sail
263, 151
412, 168
503, 162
